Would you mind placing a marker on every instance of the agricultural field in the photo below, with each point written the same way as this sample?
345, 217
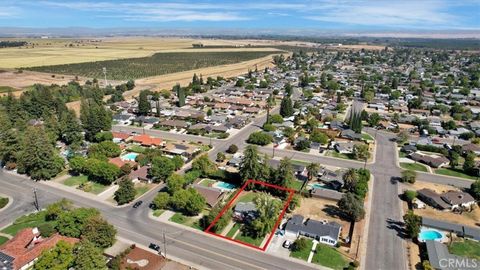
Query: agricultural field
157, 64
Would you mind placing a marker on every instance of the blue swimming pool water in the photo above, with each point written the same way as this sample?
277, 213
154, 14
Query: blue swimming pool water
225, 185
318, 185
429, 235
129, 156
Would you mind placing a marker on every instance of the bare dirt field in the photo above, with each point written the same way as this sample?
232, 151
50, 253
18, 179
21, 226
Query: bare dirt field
43, 52
436, 187
321, 209
157, 83
467, 218
359, 47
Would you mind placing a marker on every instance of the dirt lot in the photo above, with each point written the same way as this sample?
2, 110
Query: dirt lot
360, 46
467, 218
321, 209
436, 187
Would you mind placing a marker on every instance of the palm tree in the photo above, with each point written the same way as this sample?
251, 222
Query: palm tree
350, 179
312, 170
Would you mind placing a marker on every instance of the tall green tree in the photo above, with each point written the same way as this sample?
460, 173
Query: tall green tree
475, 189
412, 224
70, 128
58, 258
126, 191
98, 231
72, 223
409, 176
175, 182
352, 207
162, 168
38, 157
204, 165
144, 106
180, 91
469, 164
312, 171
286, 107
284, 175
268, 209
250, 166
95, 118
88, 257
350, 179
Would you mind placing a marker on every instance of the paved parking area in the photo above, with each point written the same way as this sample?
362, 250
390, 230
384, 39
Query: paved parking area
275, 246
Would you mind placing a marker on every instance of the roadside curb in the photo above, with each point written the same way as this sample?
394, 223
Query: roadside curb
10, 201
363, 242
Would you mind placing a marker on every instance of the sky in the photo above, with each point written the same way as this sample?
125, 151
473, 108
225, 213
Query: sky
333, 15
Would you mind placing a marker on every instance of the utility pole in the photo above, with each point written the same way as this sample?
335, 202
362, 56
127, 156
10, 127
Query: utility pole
358, 245
164, 244
273, 151
35, 197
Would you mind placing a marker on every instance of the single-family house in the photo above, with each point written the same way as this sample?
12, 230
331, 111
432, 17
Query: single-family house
147, 140
432, 198
344, 147
120, 137
324, 232
350, 134
141, 259
245, 211
22, 251
178, 124
458, 199
432, 161
471, 147
140, 174
212, 195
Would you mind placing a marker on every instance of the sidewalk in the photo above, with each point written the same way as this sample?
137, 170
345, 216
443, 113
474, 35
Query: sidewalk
312, 252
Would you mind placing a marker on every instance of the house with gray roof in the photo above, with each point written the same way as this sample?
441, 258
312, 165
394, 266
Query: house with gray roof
324, 232
441, 259
245, 211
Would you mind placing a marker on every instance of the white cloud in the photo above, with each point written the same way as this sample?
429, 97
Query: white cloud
418, 14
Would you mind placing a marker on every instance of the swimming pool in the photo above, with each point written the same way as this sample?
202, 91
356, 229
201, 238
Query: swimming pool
318, 185
224, 185
429, 234
129, 156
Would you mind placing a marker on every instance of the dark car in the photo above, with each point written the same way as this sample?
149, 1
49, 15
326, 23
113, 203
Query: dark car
137, 204
154, 247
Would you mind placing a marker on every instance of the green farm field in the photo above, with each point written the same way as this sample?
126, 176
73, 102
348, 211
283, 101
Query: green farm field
157, 64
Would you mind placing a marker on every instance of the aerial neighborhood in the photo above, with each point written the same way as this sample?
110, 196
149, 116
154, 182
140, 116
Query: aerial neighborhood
149, 151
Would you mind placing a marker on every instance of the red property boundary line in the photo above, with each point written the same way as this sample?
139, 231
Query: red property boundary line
226, 207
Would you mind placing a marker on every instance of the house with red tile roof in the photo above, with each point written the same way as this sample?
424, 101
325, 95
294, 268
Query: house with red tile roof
120, 136
119, 162
22, 251
141, 259
147, 140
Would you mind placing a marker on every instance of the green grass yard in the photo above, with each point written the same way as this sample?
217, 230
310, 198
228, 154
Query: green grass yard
158, 212
335, 154
248, 197
402, 154
329, 257
413, 166
454, 172
296, 184
367, 137
136, 149
233, 230
247, 239
3, 240
207, 182
28, 221
141, 189
187, 221
466, 248
76, 180
303, 253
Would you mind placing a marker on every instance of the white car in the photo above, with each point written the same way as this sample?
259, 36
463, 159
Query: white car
287, 244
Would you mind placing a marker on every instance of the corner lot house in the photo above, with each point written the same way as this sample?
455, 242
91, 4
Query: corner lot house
23, 250
325, 232
449, 200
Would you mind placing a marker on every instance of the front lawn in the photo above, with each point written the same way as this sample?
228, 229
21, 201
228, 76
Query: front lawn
3, 239
233, 230
247, 239
141, 189
303, 253
413, 166
367, 137
187, 221
333, 153
28, 221
76, 180
454, 172
158, 212
329, 257
402, 154
466, 248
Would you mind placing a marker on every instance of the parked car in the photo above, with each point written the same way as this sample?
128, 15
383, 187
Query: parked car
154, 247
137, 204
287, 244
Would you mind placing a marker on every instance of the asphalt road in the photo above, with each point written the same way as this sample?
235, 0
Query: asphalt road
200, 249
